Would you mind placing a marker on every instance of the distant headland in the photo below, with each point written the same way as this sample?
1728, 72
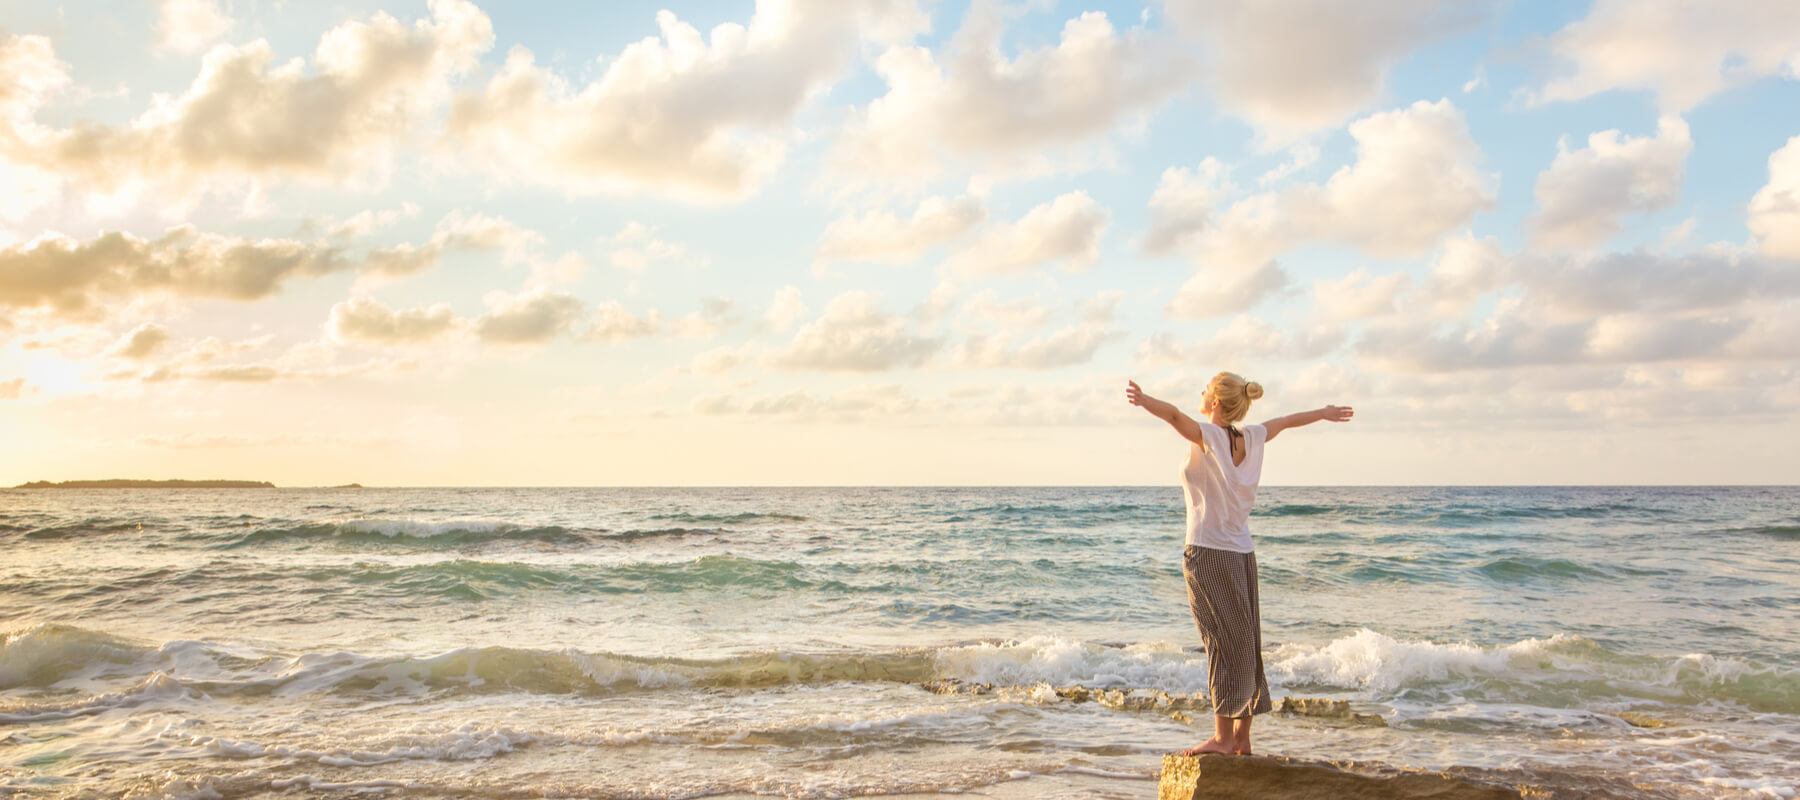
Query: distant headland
125, 483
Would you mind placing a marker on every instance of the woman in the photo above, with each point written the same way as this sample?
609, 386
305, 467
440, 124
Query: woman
1219, 481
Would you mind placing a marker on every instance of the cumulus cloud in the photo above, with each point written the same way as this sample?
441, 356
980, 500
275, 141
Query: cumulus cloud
1584, 192
1464, 269
1293, 66
364, 222
1516, 337
1359, 295
784, 310
612, 322
268, 373
854, 404
12, 389
1717, 303
1415, 178
677, 114
1774, 214
69, 276
1183, 205
1066, 229
142, 342
719, 360
366, 320
187, 25
973, 103
1220, 291
853, 334
458, 231
635, 247
1243, 340
986, 309
246, 115
1067, 347
716, 314
527, 319
883, 236
1683, 51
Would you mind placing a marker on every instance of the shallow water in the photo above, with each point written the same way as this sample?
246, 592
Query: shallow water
695, 642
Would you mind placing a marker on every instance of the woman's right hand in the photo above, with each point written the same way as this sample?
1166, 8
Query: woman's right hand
1133, 394
1338, 413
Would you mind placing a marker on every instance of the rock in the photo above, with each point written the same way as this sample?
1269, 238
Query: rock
1275, 778
1642, 720
955, 686
1327, 708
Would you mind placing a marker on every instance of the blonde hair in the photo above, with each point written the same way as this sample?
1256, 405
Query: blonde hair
1233, 394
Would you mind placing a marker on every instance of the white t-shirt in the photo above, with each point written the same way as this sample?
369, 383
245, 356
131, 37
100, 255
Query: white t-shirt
1219, 493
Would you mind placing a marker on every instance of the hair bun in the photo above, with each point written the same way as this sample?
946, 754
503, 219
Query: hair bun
1253, 390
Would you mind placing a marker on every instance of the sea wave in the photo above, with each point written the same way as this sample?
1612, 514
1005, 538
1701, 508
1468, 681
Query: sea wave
739, 518
435, 534
1561, 668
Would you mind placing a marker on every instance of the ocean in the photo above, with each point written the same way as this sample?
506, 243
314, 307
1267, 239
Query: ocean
839, 642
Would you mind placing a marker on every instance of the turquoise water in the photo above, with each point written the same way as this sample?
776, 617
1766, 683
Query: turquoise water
696, 642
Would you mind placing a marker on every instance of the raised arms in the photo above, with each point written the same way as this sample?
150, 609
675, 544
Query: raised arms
1328, 413
1184, 425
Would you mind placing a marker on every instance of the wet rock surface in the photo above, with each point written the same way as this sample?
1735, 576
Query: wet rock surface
1274, 778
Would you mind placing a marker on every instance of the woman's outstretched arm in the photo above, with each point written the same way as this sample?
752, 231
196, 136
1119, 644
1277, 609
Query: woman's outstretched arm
1328, 413
1184, 425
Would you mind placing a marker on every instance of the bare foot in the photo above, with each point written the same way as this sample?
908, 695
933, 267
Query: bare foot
1243, 752
1209, 746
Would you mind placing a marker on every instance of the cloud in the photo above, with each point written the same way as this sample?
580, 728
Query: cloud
784, 310
527, 319
1774, 215
716, 314
1066, 229
1244, 340
985, 309
69, 277
972, 102
1294, 66
853, 334
855, 404
635, 248
675, 114
366, 320
1067, 347
719, 360
1464, 269
1183, 205
187, 25
364, 222
458, 231
1584, 192
247, 116
1709, 280
267, 373
1415, 178
1359, 296
1517, 337
12, 389
884, 237
141, 343
1221, 291
1683, 51
613, 323
1714, 304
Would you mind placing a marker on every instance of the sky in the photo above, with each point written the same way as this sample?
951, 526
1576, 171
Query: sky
906, 242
